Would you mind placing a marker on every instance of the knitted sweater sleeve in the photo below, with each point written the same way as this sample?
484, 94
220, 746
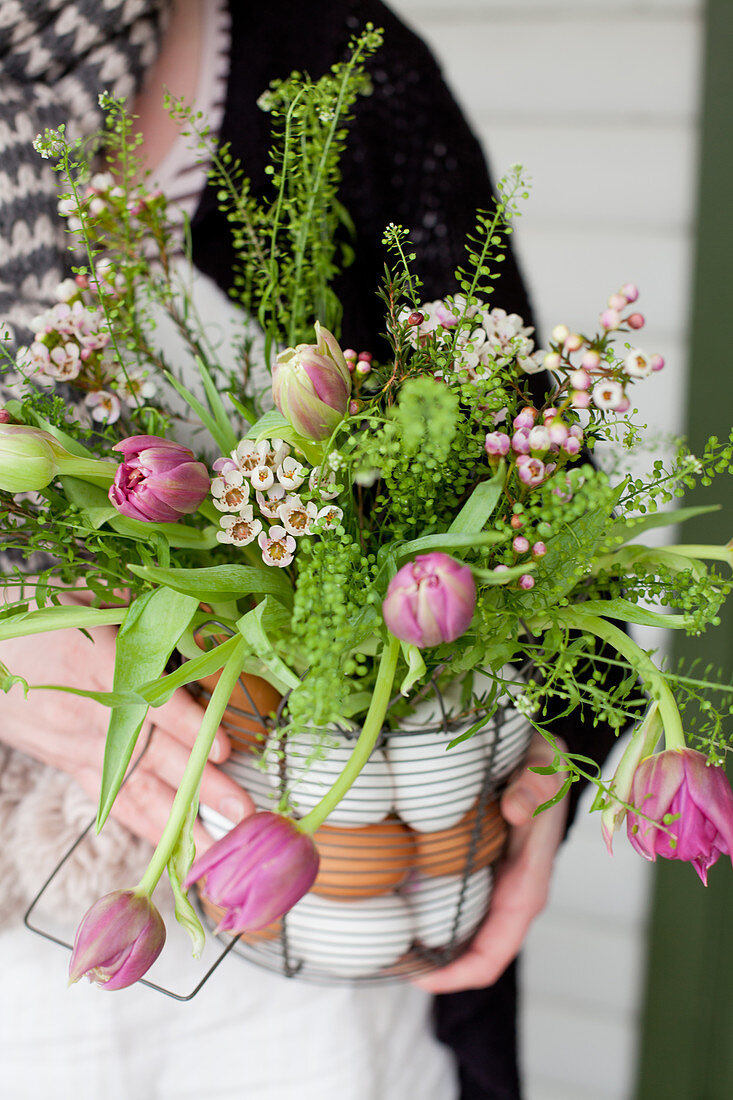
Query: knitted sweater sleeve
56, 57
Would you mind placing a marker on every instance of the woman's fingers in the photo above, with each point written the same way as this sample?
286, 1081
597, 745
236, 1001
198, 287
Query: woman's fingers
522, 880
181, 717
167, 758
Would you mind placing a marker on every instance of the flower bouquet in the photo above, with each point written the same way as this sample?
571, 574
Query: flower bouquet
417, 549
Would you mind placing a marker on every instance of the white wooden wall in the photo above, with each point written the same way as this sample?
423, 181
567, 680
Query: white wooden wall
599, 101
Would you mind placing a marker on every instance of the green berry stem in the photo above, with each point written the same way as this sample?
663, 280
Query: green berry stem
367, 739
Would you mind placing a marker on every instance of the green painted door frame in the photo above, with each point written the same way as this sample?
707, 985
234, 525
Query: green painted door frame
686, 1046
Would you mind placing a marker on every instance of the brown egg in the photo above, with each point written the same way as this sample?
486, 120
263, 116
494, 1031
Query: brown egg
363, 862
241, 718
445, 852
215, 913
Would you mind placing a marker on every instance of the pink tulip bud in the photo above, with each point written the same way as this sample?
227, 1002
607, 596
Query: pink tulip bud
118, 940
258, 871
311, 385
691, 800
158, 481
430, 600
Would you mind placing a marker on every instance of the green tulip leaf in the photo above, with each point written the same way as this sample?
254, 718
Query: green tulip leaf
152, 626
179, 865
212, 584
251, 627
58, 617
480, 506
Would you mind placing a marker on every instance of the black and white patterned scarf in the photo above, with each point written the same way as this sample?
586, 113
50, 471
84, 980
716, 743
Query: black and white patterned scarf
56, 57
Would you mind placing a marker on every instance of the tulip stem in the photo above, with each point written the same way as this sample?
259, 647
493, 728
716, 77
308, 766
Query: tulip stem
188, 789
87, 469
367, 738
641, 662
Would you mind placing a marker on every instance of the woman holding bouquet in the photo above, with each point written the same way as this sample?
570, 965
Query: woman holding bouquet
412, 160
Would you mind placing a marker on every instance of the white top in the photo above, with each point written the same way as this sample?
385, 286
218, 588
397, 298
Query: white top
180, 175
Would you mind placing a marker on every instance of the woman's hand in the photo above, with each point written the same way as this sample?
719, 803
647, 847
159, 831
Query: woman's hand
522, 880
68, 731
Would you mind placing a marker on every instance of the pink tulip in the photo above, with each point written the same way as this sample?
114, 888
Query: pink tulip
311, 386
158, 481
693, 802
118, 940
430, 600
257, 871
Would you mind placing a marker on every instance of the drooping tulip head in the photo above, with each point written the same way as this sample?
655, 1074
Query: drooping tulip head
158, 481
118, 940
691, 800
311, 386
258, 871
28, 458
430, 600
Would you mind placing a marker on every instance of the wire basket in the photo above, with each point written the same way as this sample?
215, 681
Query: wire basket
407, 857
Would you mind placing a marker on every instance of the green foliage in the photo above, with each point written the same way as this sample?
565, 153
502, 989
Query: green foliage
290, 241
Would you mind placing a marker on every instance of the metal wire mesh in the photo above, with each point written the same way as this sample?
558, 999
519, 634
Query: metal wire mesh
407, 858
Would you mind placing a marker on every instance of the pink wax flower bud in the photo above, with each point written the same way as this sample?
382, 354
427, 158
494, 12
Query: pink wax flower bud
636, 320
520, 442
311, 385
158, 481
118, 940
691, 800
618, 302
557, 432
590, 361
630, 292
574, 342
524, 419
532, 471
580, 379
539, 439
520, 544
610, 319
258, 871
430, 600
657, 362
526, 581
571, 446
497, 443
